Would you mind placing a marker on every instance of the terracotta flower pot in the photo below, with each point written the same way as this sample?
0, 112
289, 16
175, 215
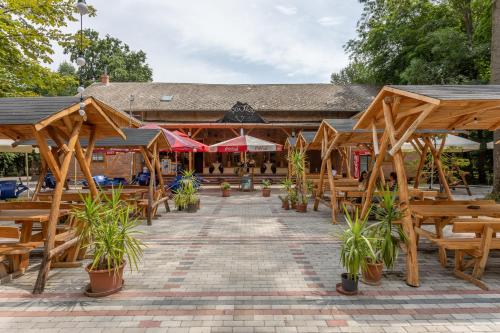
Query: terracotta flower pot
226, 193
192, 208
266, 192
102, 281
373, 273
301, 208
285, 205
294, 205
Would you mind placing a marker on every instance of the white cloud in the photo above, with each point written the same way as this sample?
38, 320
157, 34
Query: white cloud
229, 41
286, 10
328, 21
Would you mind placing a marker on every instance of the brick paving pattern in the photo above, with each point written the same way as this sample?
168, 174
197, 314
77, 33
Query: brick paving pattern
242, 264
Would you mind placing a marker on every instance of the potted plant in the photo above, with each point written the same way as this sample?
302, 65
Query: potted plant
266, 188
355, 250
293, 198
107, 227
287, 185
304, 196
226, 189
180, 199
192, 200
390, 235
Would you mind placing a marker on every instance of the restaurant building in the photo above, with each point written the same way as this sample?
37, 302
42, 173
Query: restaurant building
211, 113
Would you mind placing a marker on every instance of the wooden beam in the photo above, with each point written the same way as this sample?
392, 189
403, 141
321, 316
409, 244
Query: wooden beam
423, 155
409, 132
333, 194
375, 139
439, 167
47, 155
54, 212
90, 147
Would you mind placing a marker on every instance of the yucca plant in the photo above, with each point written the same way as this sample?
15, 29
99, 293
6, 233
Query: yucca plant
266, 183
107, 227
356, 245
390, 235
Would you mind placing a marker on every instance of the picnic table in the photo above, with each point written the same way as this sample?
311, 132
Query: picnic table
442, 214
76, 195
27, 214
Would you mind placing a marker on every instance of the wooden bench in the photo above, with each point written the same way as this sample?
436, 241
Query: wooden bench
477, 247
15, 253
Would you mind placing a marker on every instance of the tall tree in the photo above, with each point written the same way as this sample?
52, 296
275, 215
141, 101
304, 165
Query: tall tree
423, 42
495, 79
109, 54
28, 30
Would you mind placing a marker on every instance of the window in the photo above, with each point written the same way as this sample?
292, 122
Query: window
98, 157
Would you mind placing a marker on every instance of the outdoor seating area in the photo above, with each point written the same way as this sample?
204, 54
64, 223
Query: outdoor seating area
64, 128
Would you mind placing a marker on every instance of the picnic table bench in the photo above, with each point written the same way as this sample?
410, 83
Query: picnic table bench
477, 247
441, 214
16, 243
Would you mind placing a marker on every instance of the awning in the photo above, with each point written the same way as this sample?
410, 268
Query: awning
6, 147
453, 144
245, 143
200, 147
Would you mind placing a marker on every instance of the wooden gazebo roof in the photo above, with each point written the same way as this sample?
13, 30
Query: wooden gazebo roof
290, 143
344, 130
459, 107
19, 115
305, 140
135, 138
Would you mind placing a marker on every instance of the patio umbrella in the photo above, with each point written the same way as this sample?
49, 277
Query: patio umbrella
200, 147
178, 143
244, 143
453, 144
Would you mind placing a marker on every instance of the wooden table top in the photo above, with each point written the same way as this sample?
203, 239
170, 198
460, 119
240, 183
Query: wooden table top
33, 215
454, 210
75, 195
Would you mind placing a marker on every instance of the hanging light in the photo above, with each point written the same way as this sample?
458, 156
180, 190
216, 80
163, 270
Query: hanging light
82, 7
80, 89
80, 61
82, 112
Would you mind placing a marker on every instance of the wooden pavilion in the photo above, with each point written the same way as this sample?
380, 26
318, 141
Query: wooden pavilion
147, 142
339, 135
400, 111
65, 120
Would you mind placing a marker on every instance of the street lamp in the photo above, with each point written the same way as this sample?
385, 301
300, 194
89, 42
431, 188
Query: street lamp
83, 9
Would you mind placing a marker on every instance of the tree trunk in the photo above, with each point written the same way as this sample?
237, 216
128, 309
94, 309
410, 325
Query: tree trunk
495, 79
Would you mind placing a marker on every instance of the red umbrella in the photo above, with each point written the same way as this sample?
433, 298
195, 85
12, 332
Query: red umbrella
178, 143
245, 143
200, 147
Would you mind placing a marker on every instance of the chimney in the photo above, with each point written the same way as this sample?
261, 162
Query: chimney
105, 76
105, 79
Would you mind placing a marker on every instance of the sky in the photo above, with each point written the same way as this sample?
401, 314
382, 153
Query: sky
231, 41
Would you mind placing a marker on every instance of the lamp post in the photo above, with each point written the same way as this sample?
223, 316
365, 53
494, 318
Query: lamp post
83, 9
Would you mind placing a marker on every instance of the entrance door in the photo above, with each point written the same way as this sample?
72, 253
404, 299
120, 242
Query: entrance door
198, 162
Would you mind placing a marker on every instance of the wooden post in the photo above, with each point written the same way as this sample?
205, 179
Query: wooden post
439, 167
80, 156
367, 199
151, 182
333, 194
319, 192
56, 201
412, 277
41, 179
421, 164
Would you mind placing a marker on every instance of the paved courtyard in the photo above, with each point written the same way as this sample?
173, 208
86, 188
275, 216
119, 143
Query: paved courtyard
242, 264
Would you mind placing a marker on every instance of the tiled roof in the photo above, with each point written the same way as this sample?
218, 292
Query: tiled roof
222, 97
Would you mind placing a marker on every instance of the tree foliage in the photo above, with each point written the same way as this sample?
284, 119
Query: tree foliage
108, 54
28, 30
420, 42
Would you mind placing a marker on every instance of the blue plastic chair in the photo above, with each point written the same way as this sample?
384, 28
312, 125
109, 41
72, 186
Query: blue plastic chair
143, 179
9, 189
49, 181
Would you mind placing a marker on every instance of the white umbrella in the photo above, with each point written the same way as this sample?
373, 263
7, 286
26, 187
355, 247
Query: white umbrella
453, 144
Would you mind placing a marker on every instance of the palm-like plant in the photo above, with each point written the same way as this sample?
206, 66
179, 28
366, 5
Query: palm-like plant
356, 245
108, 228
390, 235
